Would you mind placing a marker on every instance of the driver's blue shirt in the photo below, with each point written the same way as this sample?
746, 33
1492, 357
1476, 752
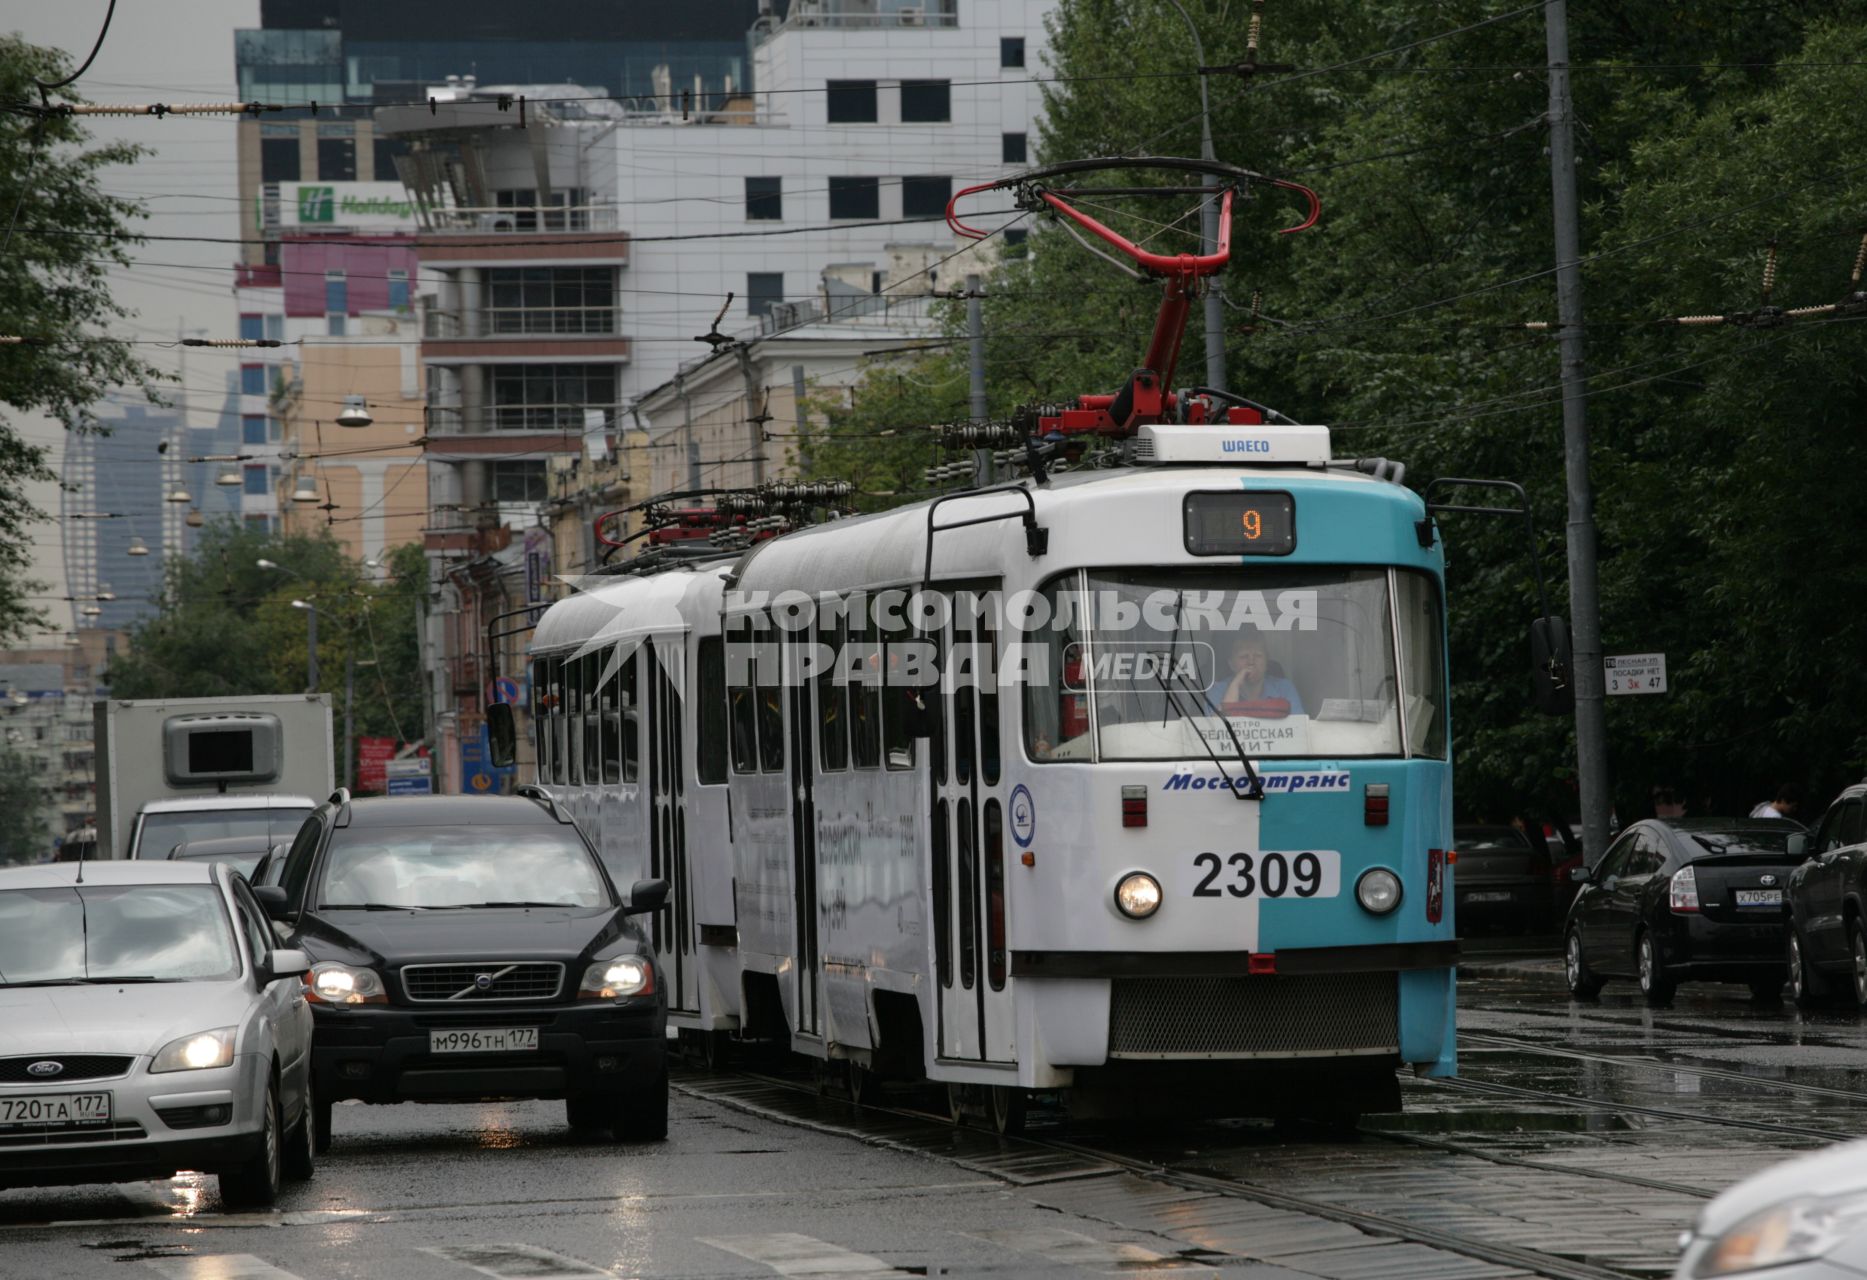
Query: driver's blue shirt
1274, 687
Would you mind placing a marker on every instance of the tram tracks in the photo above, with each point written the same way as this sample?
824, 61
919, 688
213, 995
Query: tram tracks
1374, 1223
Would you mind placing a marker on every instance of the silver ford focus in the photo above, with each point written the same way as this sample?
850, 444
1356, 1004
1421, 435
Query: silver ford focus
148, 1024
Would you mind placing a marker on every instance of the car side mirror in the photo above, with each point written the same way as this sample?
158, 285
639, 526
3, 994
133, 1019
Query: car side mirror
273, 899
1552, 666
646, 896
1581, 875
1799, 844
283, 964
502, 734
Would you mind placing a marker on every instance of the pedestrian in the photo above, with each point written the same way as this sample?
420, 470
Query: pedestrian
1666, 803
1788, 800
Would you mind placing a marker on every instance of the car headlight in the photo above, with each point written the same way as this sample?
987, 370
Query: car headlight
1793, 1231
334, 983
1138, 895
195, 1053
614, 979
1378, 890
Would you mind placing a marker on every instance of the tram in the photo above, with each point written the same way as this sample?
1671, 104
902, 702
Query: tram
1127, 784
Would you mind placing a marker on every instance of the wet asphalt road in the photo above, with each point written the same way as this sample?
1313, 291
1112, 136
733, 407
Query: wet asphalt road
1579, 1140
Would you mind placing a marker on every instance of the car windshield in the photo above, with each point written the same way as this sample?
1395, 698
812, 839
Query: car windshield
1488, 840
163, 831
100, 933
241, 862
1284, 662
442, 867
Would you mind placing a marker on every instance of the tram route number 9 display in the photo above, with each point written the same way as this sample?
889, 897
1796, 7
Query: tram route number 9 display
1232, 523
1304, 873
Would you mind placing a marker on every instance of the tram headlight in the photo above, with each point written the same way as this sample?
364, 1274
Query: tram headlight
1138, 895
1378, 890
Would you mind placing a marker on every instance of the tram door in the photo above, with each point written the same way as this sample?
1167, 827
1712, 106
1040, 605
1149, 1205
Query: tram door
968, 837
803, 807
667, 839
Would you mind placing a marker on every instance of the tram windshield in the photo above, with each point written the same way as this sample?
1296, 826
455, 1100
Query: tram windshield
1157, 664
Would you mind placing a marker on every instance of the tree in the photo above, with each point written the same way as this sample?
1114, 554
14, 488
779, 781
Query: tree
59, 236
1731, 536
25, 826
226, 627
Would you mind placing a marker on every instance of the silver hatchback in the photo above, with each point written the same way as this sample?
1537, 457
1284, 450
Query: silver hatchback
149, 1024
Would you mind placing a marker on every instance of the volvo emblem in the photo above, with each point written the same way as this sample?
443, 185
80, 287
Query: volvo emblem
45, 1069
484, 981
1766, 879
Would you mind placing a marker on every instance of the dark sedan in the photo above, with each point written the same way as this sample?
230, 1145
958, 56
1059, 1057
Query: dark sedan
1684, 900
1503, 878
1827, 947
469, 948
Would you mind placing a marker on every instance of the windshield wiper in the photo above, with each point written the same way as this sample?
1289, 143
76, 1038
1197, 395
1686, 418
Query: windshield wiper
468, 906
126, 977
84, 982
370, 906
45, 982
1256, 791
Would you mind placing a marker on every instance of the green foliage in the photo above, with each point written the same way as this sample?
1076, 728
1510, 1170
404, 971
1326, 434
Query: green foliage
1730, 529
25, 811
227, 627
54, 287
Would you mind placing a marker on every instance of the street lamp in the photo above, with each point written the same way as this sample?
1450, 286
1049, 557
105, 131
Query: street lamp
311, 640
138, 547
227, 478
355, 413
1209, 218
306, 490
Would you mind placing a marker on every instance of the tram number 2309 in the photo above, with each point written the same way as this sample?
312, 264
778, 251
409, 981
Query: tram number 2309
1308, 873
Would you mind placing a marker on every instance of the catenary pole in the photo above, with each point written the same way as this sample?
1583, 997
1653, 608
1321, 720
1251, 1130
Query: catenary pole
1208, 218
1591, 732
975, 330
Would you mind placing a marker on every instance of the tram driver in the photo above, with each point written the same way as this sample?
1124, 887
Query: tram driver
1252, 688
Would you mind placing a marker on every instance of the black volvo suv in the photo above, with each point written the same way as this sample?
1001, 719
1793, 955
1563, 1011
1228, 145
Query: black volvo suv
469, 948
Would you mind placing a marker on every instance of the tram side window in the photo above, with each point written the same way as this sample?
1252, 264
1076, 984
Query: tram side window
832, 698
560, 751
593, 718
573, 718
988, 660
901, 703
1056, 698
1423, 664
770, 702
710, 711
741, 697
865, 726
541, 716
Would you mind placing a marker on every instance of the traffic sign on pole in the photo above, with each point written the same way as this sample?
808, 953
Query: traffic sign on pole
1635, 673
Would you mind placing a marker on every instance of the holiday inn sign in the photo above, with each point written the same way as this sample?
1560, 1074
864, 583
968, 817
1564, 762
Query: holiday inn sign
316, 205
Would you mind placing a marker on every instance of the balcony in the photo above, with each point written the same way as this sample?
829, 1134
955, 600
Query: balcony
528, 322
525, 335
862, 15
522, 219
507, 429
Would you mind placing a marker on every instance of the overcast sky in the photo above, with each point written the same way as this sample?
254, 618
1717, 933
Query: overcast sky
167, 51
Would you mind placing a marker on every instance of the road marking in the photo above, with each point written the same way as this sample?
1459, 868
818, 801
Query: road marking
218, 1266
514, 1261
1105, 1257
791, 1254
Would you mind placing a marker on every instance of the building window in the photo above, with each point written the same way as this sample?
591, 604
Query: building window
336, 324
253, 428
925, 197
336, 291
278, 159
764, 199
926, 102
1016, 239
1014, 149
855, 198
1011, 51
253, 379
337, 159
251, 328
275, 328
566, 210
764, 289
386, 150
551, 300
519, 481
398, 290
851, 101
254, 481
551, 397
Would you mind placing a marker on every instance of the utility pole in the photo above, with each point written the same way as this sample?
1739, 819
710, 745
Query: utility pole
1208, 217
350, 702
975, 329
755, 415
1591, 728
802, 413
